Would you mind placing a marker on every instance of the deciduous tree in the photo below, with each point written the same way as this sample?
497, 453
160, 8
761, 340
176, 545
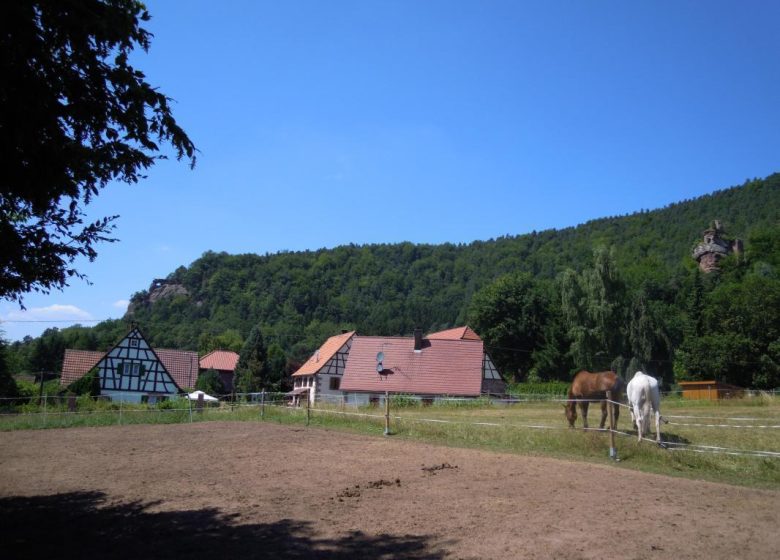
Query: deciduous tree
76, 116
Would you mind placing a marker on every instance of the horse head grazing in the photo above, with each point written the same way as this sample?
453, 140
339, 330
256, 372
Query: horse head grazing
570, 409
644, 401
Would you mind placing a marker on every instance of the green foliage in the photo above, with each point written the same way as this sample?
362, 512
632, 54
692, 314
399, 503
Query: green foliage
47, 352
27, 389
593, 303
210, 383
252, 367
537, 389
545, 303
741, 334
227, 340
510, 315
88, 385
276, 374
404, 401
8, 388
82, 118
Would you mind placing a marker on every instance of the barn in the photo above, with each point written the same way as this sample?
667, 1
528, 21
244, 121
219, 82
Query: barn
224, 363
709, 390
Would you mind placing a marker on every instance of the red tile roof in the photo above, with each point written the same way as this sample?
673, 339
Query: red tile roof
323, 354
445, 366
77, 363
219, 359
458, 333
181, 364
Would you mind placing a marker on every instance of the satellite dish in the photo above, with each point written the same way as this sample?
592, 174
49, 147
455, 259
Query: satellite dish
379, 368
380, 357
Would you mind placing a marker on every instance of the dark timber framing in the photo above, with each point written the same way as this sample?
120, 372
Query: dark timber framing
132, 366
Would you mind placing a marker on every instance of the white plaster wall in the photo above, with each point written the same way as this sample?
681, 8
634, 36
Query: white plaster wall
117, 396
324, 392
357, 399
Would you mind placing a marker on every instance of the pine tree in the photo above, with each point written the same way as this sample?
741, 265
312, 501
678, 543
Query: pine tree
252, 368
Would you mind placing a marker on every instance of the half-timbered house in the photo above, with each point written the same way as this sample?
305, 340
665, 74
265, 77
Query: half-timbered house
133, 371
319, 378
450, 363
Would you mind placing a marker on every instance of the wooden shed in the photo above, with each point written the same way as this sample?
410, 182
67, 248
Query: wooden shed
709, 390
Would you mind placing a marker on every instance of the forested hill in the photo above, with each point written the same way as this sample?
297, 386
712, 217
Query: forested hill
300, 298
390, 288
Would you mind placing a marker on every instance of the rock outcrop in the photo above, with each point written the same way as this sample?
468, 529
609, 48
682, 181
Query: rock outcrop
714, 247
159, 289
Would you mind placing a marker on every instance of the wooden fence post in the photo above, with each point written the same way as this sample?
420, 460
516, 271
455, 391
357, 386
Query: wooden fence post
262, 403
612, 449
387, 413
308, 407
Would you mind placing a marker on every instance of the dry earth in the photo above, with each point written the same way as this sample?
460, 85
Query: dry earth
260, 490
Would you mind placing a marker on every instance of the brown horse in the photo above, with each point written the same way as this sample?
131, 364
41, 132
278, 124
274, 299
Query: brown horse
594, 386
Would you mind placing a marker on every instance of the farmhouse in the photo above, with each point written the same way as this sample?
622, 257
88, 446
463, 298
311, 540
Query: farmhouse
224, 363
446, 363
320, 376
133, 371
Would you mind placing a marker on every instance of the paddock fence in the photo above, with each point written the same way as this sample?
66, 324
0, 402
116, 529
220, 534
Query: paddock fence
529, 414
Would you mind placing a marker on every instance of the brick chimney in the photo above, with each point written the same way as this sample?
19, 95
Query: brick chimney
418, 338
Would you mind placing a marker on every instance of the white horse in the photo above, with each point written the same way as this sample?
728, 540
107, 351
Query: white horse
644, 398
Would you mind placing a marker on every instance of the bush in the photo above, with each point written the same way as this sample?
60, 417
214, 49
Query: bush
462, 402
404, 401
87, 385
170, 404
540, 389
210, 383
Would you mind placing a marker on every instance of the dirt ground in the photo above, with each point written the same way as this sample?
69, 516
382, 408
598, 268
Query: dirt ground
260, 490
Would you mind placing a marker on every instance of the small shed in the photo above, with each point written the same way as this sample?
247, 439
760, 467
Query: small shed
709, 390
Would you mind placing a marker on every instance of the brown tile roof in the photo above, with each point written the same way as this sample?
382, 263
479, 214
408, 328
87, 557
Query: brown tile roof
458, 333
323, 354
77, 363
219, 359
181, 364
445, 366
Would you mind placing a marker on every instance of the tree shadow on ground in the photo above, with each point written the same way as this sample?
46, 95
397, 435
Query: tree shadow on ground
85, 525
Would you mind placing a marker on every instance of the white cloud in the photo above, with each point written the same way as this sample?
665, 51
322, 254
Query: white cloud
54, 312
121, 304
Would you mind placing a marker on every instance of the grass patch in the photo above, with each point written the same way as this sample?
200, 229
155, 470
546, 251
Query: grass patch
530, 428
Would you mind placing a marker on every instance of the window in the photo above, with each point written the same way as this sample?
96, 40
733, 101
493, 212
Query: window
130, 368
134, 343
335, 382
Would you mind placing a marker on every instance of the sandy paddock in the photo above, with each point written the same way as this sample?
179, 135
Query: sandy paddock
261, 490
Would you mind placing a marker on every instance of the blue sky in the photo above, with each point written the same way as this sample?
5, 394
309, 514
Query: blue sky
326, 123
